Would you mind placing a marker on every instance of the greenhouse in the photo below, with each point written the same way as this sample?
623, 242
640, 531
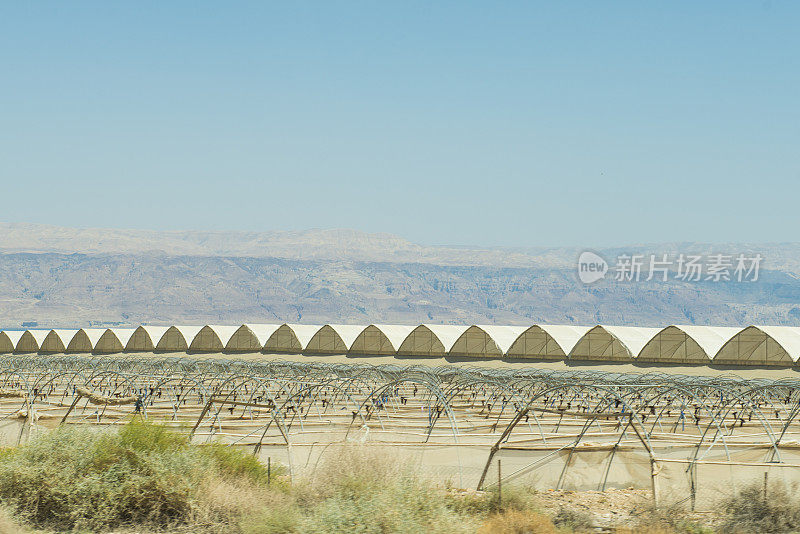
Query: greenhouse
766, 346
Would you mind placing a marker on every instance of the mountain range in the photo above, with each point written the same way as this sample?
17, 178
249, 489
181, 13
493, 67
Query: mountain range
64, 277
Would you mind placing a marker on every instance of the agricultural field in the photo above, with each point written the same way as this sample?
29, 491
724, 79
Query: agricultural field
685, 438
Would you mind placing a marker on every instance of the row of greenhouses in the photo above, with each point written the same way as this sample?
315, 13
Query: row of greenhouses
752, 345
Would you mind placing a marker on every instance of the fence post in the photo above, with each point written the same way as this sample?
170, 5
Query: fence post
499, 486
269, 469
654, 470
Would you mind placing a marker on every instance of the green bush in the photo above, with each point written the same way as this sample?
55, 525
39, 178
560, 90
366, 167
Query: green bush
80, 478
235, 463
144, 474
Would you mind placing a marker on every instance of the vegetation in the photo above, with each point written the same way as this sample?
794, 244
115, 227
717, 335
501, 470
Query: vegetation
757, 510
361, 491
575, 520
148, 478
147, 475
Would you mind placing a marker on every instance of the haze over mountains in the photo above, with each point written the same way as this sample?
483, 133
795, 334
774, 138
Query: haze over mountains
63, 277
335, 244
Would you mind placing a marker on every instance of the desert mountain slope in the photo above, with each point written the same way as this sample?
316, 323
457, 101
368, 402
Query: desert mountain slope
61, 277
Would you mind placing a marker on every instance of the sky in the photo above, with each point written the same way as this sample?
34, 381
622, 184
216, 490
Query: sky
460, 123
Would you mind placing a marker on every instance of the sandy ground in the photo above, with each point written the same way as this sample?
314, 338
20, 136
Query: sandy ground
639, 368
615, 507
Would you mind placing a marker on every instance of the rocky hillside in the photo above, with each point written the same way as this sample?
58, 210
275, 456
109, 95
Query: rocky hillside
51, 277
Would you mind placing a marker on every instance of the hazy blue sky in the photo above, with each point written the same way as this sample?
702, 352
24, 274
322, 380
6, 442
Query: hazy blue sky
495, 123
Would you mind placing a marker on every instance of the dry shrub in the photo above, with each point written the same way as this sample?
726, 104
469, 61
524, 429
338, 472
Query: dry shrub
362, 489
492, 501
667, 520
512, 497
517, 522
645, 529
470, 502
754, 511
352, 470
231, 498
575, 520
280, 515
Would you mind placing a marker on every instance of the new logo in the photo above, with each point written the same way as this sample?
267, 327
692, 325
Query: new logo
591, 267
